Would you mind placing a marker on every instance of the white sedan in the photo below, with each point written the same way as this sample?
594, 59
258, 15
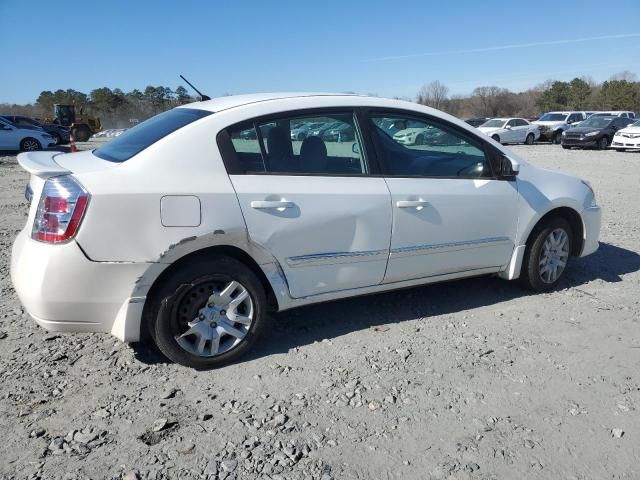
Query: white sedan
187, 234
16, 138
627, 138
511, 130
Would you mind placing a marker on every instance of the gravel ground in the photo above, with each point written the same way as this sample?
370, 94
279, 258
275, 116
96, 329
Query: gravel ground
474, 379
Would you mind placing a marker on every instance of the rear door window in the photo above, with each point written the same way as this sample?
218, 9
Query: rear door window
136, 139
309, 144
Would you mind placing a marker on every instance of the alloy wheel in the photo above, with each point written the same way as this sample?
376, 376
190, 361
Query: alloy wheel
30, 145
554, 255
213, 317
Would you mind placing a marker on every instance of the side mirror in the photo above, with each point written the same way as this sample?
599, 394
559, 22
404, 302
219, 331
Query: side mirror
509, 168
355, 148
507, 127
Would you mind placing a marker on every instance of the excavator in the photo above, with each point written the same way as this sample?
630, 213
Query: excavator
82, 126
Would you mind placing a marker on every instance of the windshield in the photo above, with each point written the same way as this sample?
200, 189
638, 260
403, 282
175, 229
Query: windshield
552, 117
136, 139
495, 123
596, 122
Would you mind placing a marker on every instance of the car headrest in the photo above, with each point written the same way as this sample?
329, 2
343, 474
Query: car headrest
313, 155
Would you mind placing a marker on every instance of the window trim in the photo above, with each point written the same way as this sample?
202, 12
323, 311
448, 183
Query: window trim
232, 164
492, 155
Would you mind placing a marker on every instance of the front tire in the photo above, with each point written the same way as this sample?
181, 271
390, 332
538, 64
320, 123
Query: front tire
547, 255
30, 145
603, 143
209, 313
557, 138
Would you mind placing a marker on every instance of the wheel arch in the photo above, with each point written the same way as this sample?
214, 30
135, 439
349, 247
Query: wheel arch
193, 256
574, 219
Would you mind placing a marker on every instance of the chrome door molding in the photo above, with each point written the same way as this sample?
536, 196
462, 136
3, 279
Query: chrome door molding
427, 249
337, 257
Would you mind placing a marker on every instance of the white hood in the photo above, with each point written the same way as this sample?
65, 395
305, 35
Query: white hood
548, 123
631, 130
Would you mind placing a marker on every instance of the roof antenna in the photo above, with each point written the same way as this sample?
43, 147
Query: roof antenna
202, 97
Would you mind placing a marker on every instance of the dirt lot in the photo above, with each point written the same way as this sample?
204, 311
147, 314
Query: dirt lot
474, 379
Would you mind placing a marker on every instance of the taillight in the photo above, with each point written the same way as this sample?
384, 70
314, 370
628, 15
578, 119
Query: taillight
62, 205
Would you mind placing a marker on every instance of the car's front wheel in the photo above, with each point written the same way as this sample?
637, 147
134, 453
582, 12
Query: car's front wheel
208, 313
30, 144
546, 255
603, 143
557, 138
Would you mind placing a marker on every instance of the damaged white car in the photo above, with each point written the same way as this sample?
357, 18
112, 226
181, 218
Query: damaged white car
185, 232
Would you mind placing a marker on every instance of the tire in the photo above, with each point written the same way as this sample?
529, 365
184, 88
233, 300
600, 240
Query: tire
533, 274
603, 143
566, 147
56, 138
301, 137
530, 139
181, 305
496, 138
30, 145
557, 138
81, 133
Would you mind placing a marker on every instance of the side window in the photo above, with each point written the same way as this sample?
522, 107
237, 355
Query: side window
428, 149
512, 123
520, 122
312, 144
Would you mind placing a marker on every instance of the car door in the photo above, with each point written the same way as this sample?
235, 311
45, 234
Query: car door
312, 203
449, 212
511, 133
7, 136
519, 130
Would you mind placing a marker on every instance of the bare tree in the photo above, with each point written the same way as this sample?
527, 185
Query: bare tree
624, 75
434, 95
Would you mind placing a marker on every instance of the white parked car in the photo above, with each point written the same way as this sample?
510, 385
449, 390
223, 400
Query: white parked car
627, 138
15, 138
552, 124
183, 233
510, 130
615, 113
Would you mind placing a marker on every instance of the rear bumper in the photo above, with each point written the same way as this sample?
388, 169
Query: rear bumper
592, 218
64, 291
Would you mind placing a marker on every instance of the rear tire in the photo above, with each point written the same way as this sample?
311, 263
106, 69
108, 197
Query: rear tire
530, 139
178, 305
30, 145
545, 261
566, 147
81, 133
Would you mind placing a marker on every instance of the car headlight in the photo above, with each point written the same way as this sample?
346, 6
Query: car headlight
591, 134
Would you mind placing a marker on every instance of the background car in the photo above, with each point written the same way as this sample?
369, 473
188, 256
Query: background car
596, 131
16, 138
59, 133
511, 130
344, 132
615, 113
627, 138
552, 124
476, 122
302, 130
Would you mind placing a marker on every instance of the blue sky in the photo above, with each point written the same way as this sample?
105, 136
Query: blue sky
387, 48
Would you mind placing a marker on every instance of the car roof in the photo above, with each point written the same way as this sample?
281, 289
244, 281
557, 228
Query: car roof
231, 101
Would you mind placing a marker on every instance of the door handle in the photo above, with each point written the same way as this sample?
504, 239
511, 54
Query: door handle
267, 204
411, 203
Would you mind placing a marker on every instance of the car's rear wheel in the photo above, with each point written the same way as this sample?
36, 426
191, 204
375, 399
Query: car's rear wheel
496, 138
530, 139
30, 144
546, 255
557, 138
603, 143
208, 313
56, 138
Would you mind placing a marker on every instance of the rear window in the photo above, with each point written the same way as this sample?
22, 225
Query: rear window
133, 141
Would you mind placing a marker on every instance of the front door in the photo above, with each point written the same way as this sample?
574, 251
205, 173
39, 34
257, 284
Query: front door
310, 202
449, 214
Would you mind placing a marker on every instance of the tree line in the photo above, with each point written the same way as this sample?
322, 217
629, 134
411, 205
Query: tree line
118, 109
619, 92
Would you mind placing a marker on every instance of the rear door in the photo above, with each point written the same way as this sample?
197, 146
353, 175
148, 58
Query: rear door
450, 214
311, 202
8, 136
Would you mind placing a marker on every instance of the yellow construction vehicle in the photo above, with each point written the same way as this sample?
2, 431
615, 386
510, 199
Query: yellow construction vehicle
82, 125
